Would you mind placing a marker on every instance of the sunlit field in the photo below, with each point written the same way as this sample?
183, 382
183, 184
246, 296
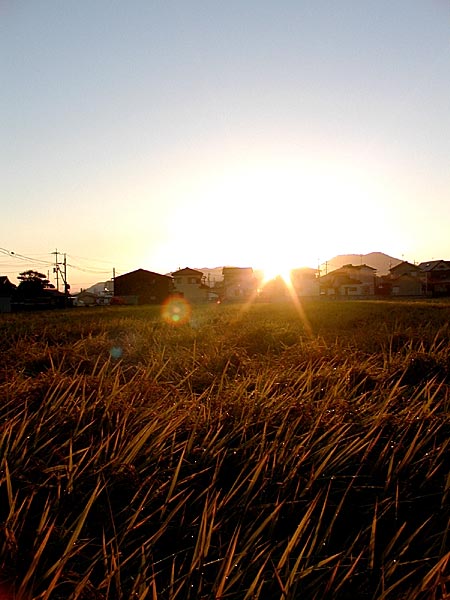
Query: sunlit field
263, 452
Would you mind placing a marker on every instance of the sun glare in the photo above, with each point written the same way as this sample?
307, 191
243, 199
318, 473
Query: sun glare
277, 258
272, 214
274, 271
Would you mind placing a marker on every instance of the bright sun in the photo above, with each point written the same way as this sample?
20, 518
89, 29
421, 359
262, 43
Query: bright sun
273, 215
272, 271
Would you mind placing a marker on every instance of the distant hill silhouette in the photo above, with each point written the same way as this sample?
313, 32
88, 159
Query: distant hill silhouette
100, 287
378, 260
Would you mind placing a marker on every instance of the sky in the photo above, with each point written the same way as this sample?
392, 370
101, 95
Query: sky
273, 134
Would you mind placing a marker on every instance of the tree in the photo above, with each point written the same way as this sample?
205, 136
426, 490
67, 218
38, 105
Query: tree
32, 284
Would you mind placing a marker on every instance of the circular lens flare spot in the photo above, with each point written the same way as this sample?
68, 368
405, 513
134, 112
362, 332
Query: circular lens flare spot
116, 353
176, 311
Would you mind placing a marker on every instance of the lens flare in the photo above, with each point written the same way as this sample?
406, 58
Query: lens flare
176, 311
116, 353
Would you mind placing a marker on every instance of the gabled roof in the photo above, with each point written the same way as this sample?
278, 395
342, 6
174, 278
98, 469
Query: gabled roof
356, 267
6, 287
433, 265
355, 270
143, 272
187, 271
404, 264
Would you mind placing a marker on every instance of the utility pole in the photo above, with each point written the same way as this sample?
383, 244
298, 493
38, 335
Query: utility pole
58, 272
66, 287
56, 269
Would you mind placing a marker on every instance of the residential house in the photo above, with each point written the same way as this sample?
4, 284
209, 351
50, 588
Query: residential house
46, 299
101, 288
436, 277
191, 284
305, 282
404, 268
142, 287
6, 291
100, 293
85, 298
239, 283
405, 279
349, 280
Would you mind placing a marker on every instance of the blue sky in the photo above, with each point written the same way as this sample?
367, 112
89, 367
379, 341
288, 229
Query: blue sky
184, 133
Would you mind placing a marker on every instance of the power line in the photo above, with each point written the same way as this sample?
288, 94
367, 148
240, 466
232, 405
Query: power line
88, 269
110, 262
46, 263
98, 270
24, 258
16, 258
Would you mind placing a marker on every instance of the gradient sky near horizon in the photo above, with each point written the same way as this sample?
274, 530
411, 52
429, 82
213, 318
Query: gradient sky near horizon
173, 133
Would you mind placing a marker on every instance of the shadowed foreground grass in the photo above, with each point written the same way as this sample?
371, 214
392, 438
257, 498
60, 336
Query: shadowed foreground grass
247, 454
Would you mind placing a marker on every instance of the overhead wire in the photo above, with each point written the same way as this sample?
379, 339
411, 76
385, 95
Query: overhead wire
88, 269
41, 263
24, 258
90, 259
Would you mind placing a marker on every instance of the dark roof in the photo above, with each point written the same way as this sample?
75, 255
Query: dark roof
404, 263
187, 271
53, 292
143, 271
432, 264
6, 286
358, 267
